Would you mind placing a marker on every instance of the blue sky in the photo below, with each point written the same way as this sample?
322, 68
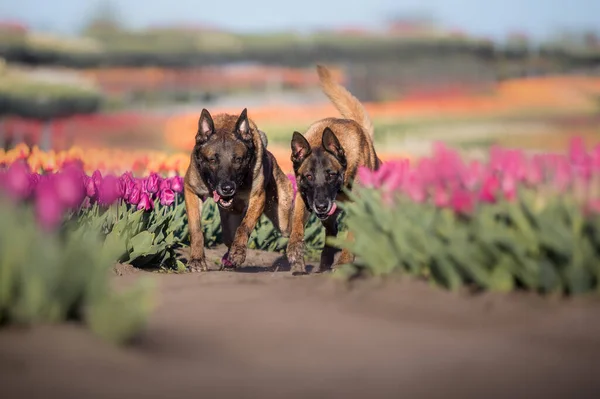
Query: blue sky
492, 18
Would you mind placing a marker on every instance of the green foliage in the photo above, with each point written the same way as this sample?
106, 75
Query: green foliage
150, 238
49, 278
543, 244
138, 237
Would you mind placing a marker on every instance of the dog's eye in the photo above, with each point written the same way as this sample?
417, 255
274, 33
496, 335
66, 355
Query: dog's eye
237, 159
309, 177
212, 161
332, 175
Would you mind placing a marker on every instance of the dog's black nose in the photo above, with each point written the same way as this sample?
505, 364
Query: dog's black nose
228, 188
321, 207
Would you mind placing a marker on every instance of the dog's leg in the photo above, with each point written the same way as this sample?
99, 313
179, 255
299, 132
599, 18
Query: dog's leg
328, 253
295, 248
279, 213
256, 207
193, 207
229, 224
346, 256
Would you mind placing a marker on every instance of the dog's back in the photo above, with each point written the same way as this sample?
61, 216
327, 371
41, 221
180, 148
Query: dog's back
354, 130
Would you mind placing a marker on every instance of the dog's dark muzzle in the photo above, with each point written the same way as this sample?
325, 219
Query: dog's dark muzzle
224, 194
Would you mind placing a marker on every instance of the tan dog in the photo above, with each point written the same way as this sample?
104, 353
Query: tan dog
325, 160
231, 164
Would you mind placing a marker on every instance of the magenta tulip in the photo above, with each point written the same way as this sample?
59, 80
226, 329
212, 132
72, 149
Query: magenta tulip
109, 191
91, 190
165, 184
167, 197
97, 177
441, 198
489, 188
70, 189
34, 179
48, 206
17, 181
151, 183
145, 203
462, 202
136, 193
177, 184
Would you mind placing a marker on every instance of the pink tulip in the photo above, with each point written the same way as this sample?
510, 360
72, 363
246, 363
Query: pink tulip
34, 179
441, 198
136, 193
167, 197
509, 187
165, 184
17, 181
365, 177
145, 203
489, 188
462, 201
90, 188
109, 190
415, 188
69, 186
97, 178
177, 184
151, 183
48, 206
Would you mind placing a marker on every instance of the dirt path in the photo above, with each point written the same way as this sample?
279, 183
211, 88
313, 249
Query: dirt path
265, 334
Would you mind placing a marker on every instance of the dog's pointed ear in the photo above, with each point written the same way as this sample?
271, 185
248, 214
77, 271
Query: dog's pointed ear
242, 127
300, 149
206, 127
332, 145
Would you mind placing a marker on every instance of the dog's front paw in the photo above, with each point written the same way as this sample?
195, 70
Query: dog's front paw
226, 263
295, 255
237, 256
197, 265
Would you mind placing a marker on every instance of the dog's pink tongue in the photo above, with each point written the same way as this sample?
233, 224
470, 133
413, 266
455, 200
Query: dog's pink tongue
216, 196
332, 210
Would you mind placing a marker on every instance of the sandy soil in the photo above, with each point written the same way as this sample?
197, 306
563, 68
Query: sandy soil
257, 333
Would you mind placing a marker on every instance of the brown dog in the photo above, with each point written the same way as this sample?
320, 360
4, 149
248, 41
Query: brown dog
231, 164
325, 160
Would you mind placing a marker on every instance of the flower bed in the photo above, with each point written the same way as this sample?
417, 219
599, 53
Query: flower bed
513, 222
143, 216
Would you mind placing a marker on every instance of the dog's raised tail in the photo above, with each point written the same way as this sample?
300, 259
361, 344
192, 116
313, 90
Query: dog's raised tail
347, 105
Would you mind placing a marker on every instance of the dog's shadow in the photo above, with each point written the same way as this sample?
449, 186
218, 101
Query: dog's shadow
252, 264
280, 264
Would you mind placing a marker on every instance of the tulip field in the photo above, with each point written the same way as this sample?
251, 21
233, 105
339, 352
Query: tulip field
512, 222
98, 239
515, 221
